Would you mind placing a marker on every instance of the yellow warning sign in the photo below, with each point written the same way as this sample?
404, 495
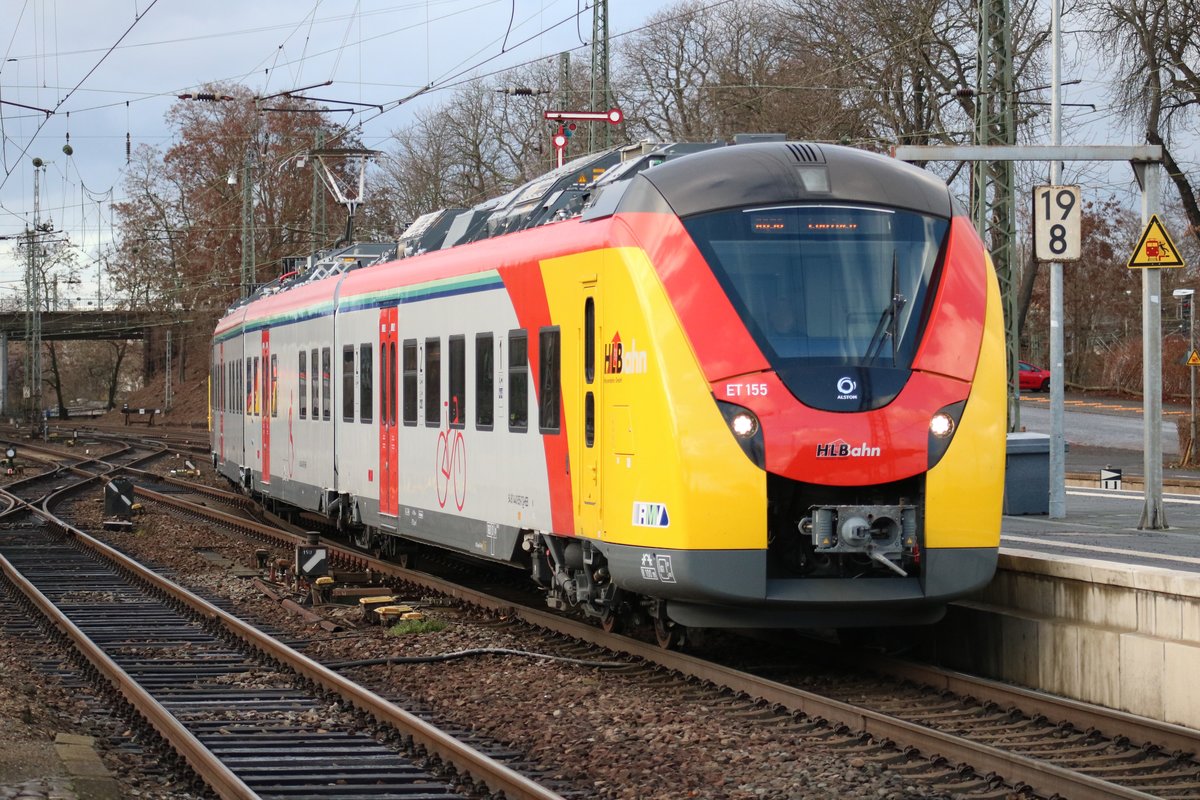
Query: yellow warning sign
1155, 248
1194, 359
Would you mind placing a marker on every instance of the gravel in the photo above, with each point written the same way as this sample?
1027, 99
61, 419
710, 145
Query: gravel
621, 736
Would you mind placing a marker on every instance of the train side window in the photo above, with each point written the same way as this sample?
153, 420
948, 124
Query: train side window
274, 385
326, 398
255, 409
410, 381
485, 397
548, 380
589, 419
315, 383
249, 378
366, 369
589, 339
518, 380
303, 384
348, 383
433, 382
457, 366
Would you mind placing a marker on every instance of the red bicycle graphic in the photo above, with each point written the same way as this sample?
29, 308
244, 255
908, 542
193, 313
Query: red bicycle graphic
451, 467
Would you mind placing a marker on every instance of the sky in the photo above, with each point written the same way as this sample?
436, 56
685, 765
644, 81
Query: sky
108, 69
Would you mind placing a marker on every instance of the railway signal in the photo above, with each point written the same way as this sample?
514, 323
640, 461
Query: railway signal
567, 123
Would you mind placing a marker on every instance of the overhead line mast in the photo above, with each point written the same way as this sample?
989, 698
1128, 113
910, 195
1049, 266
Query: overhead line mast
601, 94
992, 205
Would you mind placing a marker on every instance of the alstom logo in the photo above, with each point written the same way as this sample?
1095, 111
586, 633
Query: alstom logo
842, 449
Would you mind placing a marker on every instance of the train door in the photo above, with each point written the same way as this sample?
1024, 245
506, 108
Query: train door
587, 476
265, 393
222, 403
388, 435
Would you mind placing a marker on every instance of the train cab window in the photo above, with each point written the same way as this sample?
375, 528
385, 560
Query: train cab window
366, 368
315, 383
274, 385
518, 380
457, 366
484, 382
326, 398
433, 382
825, 284
348, 383
303, 395
410, 381
589, 339
548, 380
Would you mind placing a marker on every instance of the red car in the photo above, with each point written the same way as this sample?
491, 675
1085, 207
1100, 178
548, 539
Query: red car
1034, 379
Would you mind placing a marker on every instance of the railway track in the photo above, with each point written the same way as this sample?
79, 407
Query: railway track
980, 733
250, 716
975, 732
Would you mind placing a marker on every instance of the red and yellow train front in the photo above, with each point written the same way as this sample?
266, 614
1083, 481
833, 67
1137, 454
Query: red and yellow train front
798, 413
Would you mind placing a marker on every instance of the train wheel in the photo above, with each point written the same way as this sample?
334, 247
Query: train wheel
667, 633
611, 621
362, 538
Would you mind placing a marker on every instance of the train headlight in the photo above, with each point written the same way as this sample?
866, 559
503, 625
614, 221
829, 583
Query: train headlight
746, 430
744, 424
942, 425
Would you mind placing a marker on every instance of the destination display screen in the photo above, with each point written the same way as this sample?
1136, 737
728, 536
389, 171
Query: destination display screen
772, 223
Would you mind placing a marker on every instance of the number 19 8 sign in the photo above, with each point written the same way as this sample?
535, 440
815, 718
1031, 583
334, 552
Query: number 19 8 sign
1056, 218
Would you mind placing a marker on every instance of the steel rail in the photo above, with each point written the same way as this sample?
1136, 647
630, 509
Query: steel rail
479, 766
1042, 777
1084, 716
210, 768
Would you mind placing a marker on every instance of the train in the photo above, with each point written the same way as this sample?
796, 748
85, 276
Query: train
749, 385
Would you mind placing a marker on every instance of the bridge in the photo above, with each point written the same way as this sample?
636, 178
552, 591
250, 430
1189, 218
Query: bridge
65, 325
59, 326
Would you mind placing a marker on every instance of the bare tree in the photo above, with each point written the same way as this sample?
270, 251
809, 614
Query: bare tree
699, 74
1155, 54
904, 61
480, 143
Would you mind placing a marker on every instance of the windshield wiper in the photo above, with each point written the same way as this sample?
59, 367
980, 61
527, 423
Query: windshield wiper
886, 327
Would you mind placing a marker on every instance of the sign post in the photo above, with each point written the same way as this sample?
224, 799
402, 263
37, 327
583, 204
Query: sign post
1057, 216
1154, 251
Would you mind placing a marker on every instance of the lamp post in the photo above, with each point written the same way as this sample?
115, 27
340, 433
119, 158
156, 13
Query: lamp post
1185, 297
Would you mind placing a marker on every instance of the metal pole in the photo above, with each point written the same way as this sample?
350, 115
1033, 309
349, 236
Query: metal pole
1153, 515
3, 373
1058, 459
168, 397
1192, 373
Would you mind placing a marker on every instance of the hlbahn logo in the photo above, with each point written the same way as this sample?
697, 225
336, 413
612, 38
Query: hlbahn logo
842, 449
619, 361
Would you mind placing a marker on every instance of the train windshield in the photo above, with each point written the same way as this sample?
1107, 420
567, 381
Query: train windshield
826, 284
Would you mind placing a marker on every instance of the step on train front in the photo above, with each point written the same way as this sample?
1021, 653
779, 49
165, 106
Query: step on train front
759, 385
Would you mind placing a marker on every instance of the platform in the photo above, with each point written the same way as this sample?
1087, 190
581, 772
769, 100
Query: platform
1089, 606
